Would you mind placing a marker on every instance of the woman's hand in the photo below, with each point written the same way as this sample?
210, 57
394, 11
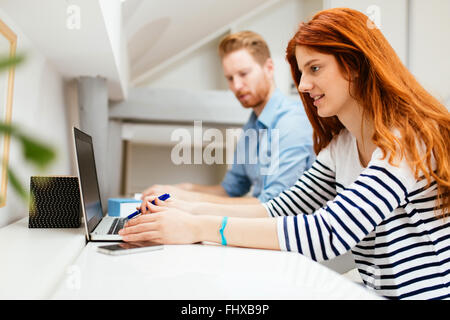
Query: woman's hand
164, 225
172, 202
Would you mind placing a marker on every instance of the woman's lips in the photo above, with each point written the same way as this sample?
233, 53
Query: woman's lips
319, 98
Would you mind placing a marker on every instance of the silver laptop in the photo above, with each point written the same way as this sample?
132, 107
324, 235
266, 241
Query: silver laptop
98, 226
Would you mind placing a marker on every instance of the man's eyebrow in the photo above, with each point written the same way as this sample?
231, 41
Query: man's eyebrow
309, 62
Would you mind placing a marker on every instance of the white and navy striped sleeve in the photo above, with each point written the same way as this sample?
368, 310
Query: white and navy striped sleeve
311, 191
347, 219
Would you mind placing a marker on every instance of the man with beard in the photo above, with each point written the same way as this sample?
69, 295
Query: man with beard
277, 129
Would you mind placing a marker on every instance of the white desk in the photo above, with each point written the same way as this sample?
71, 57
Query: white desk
204, 272
33, 261
56, 264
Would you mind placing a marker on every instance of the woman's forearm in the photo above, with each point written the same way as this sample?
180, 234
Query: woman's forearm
230, 210
258, 233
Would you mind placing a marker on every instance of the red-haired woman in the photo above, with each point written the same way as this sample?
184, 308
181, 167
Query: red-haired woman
379, 187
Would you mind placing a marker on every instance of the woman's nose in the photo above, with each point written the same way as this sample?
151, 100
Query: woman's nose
304, 85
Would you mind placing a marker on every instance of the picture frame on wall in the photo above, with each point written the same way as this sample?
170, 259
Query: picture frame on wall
8, 43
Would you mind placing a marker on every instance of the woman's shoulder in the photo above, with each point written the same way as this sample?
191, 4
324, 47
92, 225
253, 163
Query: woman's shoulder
396, 165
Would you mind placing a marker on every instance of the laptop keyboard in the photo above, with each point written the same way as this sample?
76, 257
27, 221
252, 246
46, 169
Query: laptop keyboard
117, 225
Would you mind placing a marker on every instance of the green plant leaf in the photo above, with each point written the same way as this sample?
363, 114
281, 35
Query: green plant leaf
7, 62
6, 128
17, 186
36, 152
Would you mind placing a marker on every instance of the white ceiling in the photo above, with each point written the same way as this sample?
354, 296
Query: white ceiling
155, 33
158, 30
90, 49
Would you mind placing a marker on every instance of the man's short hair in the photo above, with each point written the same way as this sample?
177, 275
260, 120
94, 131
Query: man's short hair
249, 40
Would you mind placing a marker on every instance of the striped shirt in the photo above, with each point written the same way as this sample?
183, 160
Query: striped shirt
381, 213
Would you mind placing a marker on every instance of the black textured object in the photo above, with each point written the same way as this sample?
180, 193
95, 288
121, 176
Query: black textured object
55, 202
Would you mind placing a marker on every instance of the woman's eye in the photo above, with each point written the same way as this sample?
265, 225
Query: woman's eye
315, 69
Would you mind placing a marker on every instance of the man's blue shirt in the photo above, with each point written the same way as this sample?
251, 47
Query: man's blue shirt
273, 150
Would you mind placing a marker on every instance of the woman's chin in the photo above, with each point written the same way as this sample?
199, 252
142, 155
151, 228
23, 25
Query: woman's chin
324, 113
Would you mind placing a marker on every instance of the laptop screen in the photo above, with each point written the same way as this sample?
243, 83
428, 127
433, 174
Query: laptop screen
87, 174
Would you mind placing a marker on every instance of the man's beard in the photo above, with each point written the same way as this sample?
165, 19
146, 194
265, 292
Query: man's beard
257, 98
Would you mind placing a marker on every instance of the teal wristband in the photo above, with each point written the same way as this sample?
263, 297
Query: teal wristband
222, 228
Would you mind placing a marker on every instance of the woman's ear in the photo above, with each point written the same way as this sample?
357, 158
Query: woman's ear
353, 76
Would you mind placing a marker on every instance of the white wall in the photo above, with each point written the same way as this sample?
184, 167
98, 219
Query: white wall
419, 33
151, 164
392, 18
277, 26
430, 46
39, 110
202, 69
199, 70
417, 30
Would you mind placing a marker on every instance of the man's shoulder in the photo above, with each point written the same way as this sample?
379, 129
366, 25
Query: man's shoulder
290, 106
290, 113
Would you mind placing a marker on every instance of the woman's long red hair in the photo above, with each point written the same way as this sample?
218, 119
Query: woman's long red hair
388, 93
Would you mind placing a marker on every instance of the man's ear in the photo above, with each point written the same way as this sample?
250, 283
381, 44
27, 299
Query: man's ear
269, 67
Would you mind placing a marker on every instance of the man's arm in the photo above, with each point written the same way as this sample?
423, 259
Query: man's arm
204, 197
217, 194
246, 210
216, 190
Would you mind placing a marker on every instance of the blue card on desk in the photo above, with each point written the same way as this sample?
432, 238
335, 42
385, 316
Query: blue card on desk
122, 207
